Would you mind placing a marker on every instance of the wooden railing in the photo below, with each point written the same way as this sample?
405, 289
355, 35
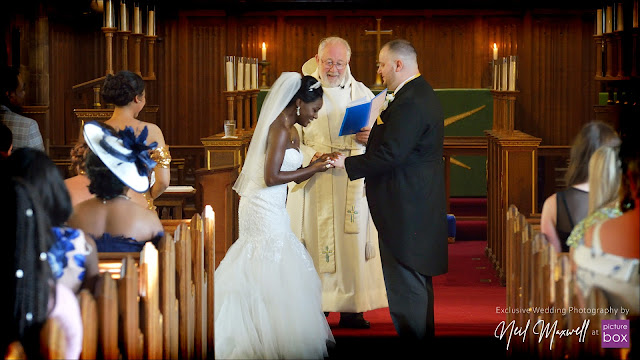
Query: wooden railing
541, 291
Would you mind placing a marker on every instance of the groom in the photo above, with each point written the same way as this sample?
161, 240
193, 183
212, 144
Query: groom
404, 175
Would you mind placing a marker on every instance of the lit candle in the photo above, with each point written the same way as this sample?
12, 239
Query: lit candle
229, 73
495, 51
599, 22
150, 23
123, 17
635, 14
620, 18
240, 79
609, 19
137, 20
254, 74
264, 51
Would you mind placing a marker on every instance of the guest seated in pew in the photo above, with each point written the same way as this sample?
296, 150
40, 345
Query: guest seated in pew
34, 295
604, 186
73, 256
126, 90
115, 163
563, 210
609, 256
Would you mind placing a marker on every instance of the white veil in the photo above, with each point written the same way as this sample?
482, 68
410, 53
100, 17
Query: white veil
252, 176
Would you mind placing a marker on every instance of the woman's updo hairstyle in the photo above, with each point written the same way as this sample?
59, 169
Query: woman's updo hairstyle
310, 90
120, 89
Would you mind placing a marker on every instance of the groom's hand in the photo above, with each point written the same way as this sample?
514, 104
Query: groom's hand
362, 136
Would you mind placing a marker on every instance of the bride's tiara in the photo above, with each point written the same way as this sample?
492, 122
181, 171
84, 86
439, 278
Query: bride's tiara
314, 86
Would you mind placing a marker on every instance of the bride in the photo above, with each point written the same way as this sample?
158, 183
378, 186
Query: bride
267, 292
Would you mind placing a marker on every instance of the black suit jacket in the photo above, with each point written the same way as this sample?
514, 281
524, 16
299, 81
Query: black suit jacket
404, 176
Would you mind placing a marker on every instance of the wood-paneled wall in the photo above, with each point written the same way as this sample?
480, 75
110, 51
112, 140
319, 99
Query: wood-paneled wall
555, 48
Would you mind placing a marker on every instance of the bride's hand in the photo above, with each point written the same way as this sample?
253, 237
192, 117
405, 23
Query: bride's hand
316, 156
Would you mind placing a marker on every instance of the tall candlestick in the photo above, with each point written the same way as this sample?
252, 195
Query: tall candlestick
151, 23
124, 26
599, 22
620, 18
495, 51
240, 78
137, 20
264, 51
609, 19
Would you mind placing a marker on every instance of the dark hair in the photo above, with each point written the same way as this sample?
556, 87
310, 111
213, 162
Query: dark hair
592, 135
630, 158
121, 88
25, 274
6, 138
8, 83
78, 155
37, 169
306, 93
102, 182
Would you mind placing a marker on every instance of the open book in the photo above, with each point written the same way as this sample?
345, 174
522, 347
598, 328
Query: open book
362, 113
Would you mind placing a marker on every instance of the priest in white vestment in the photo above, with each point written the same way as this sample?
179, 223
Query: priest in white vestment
329, 213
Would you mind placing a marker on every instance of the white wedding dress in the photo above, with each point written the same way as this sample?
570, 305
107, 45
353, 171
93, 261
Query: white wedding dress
267, 292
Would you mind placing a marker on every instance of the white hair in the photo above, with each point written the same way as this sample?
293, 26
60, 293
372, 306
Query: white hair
334, 40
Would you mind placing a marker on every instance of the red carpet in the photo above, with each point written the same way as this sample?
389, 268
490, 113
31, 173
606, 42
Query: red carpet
465, 310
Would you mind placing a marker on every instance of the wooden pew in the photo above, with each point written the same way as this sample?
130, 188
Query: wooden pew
52, 341
89, 312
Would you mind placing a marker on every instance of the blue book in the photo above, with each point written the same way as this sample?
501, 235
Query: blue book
362, 113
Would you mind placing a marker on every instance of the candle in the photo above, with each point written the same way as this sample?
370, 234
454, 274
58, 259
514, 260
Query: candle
620, 18
503, 80
599, 22
137, 17
495, 75
512, 73
264, 51
229, 72
247, 75
254, 74
609, 19
635, 14
123, 17
495, 51
240, 79
151, 23
108, 14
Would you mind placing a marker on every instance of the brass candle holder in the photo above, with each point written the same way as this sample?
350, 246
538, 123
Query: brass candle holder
151, 41
108, 33
263, 74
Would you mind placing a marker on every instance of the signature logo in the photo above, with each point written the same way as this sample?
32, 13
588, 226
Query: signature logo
542, 329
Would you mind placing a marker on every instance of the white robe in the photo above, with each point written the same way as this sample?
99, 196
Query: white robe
334, 229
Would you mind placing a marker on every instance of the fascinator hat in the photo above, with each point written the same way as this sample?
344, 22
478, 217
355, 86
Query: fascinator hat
124, 153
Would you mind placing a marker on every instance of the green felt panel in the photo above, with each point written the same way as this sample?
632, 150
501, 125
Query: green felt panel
464, 182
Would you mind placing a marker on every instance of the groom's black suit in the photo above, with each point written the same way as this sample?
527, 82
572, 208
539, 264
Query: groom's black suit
404, 176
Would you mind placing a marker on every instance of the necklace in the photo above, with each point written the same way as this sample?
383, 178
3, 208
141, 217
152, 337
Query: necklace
104, 201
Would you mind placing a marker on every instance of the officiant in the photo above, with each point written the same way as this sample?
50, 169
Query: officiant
329, 213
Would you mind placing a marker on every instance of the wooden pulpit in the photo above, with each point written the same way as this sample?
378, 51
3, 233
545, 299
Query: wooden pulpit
511, 176
224, 157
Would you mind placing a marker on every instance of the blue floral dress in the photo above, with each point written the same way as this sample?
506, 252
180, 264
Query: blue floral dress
67, 257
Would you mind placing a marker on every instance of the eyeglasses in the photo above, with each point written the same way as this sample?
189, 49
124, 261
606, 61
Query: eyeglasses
329, 64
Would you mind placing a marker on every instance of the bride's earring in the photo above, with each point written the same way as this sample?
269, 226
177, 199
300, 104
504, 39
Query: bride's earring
298, 111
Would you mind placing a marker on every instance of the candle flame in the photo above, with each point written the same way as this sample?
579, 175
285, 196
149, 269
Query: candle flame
264, 46
495, 46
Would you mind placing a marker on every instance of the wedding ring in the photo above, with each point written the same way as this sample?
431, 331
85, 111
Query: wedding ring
327, 166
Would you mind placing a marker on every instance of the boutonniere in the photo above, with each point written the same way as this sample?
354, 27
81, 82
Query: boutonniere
389, 98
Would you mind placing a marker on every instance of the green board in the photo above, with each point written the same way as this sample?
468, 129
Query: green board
464, 182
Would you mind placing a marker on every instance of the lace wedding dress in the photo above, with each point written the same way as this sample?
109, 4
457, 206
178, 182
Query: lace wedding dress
267, 291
